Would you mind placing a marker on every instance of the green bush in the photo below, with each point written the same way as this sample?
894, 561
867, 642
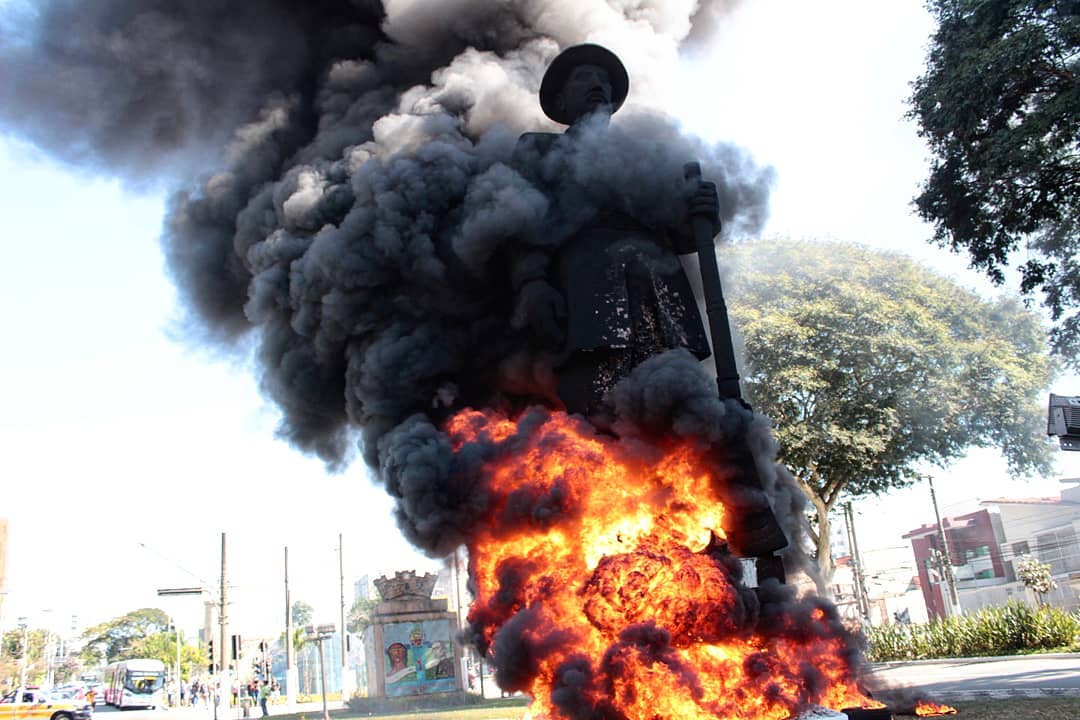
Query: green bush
1011, 629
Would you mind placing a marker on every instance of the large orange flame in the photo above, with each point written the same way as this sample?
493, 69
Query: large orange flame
604, 558
925, 708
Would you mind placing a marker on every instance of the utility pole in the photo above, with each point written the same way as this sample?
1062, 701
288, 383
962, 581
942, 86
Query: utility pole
224, 678
861, 598
291, 676
346, 685
953, 599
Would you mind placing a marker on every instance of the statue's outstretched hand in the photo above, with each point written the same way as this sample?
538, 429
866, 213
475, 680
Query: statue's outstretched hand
541, 308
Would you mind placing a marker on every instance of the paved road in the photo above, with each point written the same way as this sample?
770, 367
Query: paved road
207, 713
943, 679
1030, 674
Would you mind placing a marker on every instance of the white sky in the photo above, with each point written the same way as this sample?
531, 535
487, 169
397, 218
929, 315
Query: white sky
114, 435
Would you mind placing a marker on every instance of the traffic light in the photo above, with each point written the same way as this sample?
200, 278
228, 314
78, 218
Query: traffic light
210, 655
235, 647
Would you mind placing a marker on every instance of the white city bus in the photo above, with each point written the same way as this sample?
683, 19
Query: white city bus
135, 683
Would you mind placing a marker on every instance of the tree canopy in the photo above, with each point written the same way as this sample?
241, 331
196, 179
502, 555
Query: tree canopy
361, 614
870, 365
119, 637
144, 633
162, 646
999, 105
302, 613
11, 655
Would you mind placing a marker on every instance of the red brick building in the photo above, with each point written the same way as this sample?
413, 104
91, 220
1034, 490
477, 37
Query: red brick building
975, 554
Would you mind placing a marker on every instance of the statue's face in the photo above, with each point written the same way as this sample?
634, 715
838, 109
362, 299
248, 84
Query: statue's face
586, 90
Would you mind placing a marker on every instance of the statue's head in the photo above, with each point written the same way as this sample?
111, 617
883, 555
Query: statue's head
581, 80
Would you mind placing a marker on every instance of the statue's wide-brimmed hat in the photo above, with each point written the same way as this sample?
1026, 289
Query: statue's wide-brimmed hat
564, 64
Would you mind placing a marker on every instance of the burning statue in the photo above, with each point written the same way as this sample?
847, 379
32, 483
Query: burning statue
613, 292
605, 585
498, 321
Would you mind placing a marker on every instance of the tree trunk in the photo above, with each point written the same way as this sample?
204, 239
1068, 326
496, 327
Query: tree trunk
821, 541
824, 551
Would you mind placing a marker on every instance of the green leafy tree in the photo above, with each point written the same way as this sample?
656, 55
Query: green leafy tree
117, 637
302, 613
299, 639
1036, 577
162, 646
360, 614
66, 669
999, 105
32, 645
92, 655
9, 673
870, 365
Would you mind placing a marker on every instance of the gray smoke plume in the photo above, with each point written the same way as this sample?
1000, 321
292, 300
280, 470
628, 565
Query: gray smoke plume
365, 200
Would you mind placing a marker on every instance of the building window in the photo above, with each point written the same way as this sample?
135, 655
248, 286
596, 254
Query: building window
1059, 549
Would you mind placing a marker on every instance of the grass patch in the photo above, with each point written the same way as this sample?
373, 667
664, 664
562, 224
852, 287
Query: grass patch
500, 709
1027, 708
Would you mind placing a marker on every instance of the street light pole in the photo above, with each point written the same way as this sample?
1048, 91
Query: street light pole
319, 635
172, 592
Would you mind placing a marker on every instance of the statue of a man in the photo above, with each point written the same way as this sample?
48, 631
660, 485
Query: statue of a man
613, 293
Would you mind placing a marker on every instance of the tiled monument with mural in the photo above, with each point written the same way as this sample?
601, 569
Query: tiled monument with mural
411, 649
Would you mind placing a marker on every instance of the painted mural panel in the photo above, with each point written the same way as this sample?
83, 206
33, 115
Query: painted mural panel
419, 658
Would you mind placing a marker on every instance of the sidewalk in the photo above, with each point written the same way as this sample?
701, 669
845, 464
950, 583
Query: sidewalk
985, 678
201, 712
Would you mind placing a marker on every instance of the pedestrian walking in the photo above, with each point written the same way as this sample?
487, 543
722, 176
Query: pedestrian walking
264, 695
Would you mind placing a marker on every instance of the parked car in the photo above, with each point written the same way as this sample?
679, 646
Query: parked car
28, 703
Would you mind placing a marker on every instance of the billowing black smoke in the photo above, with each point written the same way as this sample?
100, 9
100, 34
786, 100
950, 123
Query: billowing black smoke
358, 205
351, 201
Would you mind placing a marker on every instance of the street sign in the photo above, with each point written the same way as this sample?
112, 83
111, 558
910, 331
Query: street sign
180, 591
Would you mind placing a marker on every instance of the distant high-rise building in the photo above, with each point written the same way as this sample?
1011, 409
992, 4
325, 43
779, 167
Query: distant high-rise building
444, 584
362, 588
